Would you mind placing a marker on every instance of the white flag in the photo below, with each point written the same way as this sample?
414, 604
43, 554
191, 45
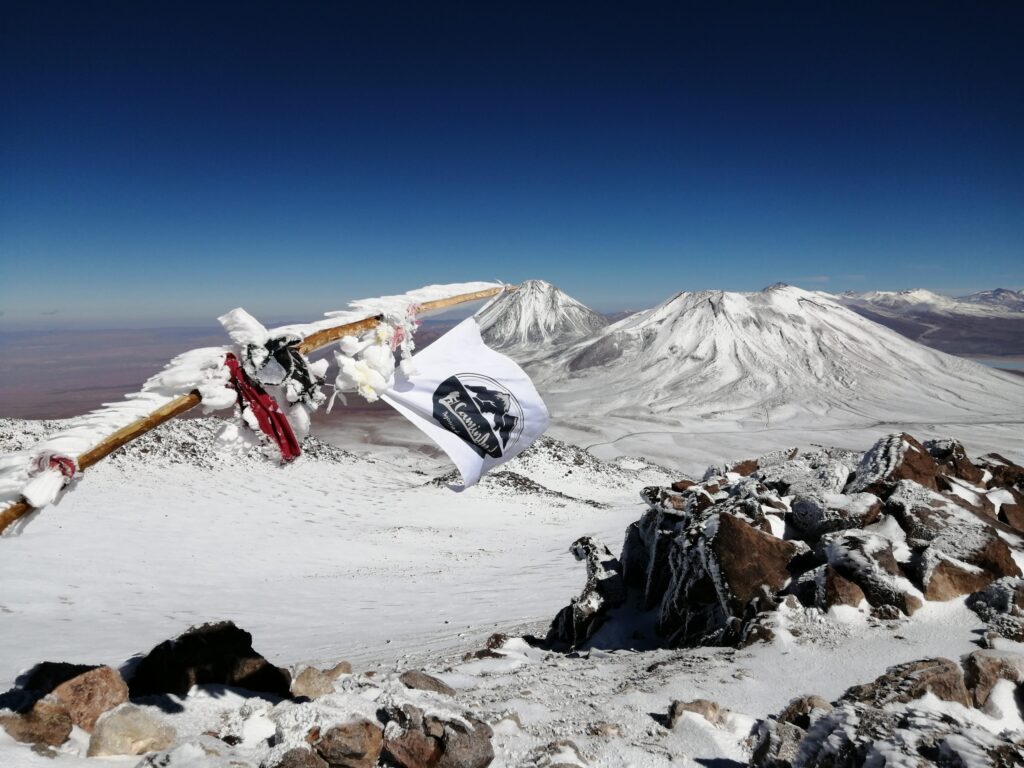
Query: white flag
479, 406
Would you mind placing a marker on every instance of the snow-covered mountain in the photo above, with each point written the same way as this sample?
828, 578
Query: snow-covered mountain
997, 297
536, 315
919, 301
775, 355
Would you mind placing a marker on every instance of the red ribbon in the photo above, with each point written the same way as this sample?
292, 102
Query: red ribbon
271, 419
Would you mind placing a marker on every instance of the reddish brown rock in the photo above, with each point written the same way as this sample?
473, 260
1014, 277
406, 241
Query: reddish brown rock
300, 758
750, 560
47, 723
906, 682
947, 579
356, 744
1013, 516
952, 460
1004, 472
838, 590
744, 468
682, 485
983, 669
894, 458
89, 695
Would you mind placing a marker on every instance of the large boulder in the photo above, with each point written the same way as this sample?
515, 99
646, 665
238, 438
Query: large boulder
984, 668
89, 695
129, 730
213, 654
893, 458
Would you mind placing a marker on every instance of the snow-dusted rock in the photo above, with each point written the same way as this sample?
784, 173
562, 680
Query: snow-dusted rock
983, 669
603, 590
414, 738
894, 458
421, 681
1001, 606
129, 730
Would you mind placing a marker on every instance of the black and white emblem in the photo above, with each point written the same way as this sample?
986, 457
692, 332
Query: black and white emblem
479, 410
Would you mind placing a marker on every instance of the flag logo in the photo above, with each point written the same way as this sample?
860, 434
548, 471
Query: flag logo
480, 411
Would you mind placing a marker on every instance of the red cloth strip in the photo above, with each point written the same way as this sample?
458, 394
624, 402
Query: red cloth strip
271, 419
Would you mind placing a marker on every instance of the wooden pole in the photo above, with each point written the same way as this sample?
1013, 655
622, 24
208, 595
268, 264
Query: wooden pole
180, 405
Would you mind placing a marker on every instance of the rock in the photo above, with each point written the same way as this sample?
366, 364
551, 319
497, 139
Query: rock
89, 695
744, 468
951, 459
1003, 471
867, 560
749, 560
129, 730
356, 744
893, 458
300, 757
412, 740
421, 681
905, 682
947, 578
47, 675
339, 669
932, 520
604, 729
838, 590
983, 669
1001, 606
816, 516
604, 589
804, 710
47, 723
557, 754
776, 744
682, 485
312, 683
213, 654
707, 709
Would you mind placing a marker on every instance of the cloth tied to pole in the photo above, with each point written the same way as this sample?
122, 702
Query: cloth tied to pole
50, 472
254, 401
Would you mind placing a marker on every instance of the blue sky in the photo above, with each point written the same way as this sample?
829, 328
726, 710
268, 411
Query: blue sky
160, 163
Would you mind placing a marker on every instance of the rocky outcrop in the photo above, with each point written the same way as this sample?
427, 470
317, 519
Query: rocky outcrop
918, 713
904, 523
604, 590
213, 654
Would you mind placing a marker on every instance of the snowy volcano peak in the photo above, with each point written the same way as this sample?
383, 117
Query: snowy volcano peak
997, 297
537, 313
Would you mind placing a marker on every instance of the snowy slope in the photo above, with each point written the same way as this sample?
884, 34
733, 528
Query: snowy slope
536, 316
778, 355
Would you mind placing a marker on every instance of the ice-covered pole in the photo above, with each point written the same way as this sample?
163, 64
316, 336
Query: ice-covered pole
313, 342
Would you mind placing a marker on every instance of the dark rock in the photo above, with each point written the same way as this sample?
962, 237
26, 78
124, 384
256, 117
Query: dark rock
423, 682
1001, 606
604, 590
776, 744
47, 675
213, 654
300, 758
356, 744
951, 459
867, 560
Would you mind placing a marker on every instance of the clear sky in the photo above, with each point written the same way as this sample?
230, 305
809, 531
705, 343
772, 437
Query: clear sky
163, 162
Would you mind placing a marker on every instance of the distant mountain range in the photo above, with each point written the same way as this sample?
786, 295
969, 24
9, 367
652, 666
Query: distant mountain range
984, 323
997, 302
777, 354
